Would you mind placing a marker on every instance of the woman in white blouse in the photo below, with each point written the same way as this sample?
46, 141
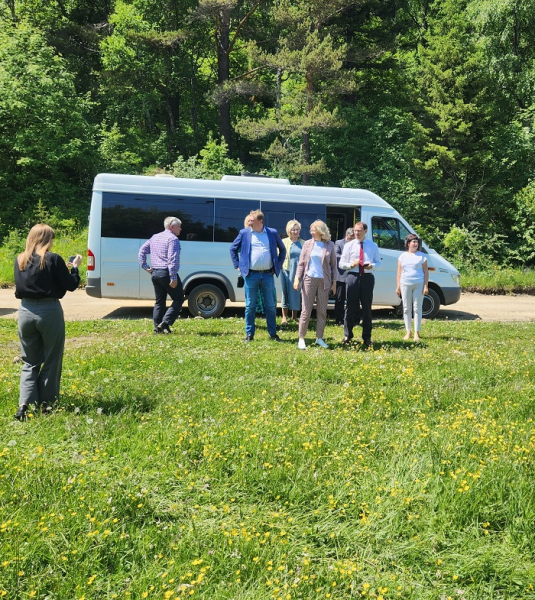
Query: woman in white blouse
412, 279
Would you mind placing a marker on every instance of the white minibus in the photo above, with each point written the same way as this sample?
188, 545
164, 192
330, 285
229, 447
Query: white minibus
126, 210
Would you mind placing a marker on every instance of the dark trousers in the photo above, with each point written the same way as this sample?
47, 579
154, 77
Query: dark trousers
42, 339
162, 289
359, 293
340, 302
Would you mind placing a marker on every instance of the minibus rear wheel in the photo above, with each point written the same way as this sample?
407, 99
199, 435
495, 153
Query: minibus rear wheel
207, 301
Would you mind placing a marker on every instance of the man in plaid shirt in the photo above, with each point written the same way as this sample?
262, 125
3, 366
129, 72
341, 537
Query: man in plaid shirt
164, 250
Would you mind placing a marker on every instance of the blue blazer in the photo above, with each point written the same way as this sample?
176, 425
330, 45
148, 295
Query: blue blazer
240, 250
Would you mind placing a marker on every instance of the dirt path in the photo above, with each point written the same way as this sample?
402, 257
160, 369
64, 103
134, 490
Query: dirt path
79, 306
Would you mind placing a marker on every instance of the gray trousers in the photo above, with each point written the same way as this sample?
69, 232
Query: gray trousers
42, 340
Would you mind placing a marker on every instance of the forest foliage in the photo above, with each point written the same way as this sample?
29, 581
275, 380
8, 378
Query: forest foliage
428, 103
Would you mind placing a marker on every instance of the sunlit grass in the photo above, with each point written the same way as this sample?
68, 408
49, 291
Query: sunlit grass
499, 281
194, 465
65, 245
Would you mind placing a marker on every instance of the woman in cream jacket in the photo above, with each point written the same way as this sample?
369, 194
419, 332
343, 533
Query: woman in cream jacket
316, 276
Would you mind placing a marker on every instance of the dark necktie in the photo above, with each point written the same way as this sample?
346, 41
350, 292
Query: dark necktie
361, 259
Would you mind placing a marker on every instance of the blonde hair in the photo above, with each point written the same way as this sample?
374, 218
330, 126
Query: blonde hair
39, 241
257, 215
323, 229
249, 216
291, 224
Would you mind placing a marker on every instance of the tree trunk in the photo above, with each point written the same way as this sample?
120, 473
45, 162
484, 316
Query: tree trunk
223, 75
305, 140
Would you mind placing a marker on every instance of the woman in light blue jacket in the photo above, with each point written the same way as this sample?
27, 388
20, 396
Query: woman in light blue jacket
291, 299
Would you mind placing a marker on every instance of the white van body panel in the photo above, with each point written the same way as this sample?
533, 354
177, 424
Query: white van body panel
117, 274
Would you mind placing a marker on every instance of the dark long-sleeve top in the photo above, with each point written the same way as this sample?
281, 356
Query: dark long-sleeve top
54, 281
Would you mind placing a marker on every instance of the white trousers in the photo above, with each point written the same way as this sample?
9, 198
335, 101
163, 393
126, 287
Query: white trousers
412, 295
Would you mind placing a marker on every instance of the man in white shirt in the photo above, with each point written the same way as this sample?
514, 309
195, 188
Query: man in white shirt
341, 276
359, 258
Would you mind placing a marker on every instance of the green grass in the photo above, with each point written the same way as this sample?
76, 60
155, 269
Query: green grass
499, 281
65, 245
193, 465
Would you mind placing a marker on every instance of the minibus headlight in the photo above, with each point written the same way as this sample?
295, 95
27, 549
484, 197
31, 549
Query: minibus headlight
457, 279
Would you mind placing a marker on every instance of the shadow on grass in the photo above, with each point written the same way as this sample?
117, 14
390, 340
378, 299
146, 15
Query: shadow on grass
403, 344
445, 314
393, 325
145, 312
130, 312
109, 405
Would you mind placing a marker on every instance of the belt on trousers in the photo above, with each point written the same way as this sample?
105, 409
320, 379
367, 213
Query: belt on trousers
358, 274
259, 270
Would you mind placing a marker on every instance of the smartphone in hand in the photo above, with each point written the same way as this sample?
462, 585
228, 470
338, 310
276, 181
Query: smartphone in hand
71, 259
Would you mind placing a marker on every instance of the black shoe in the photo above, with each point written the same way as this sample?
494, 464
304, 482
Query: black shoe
339, 323
347, 340
275, 338
20, 415
368, 344
248, 338
164, 328
47, 409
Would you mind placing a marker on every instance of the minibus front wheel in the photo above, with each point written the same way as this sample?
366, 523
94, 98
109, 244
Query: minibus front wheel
206, 301
431, 304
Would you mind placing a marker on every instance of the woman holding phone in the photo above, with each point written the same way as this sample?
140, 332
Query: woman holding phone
412, 279
41, 279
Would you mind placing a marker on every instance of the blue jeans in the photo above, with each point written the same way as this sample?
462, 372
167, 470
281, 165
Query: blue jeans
265, 282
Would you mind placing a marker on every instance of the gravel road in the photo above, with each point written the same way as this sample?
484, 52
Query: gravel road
79, 306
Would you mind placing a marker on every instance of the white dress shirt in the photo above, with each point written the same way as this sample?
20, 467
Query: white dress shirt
351, 253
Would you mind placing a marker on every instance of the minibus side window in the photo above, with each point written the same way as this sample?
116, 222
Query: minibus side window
229, 217
277, 215
140, 216
389, 233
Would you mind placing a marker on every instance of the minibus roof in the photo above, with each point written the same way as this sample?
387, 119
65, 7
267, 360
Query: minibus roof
236, 187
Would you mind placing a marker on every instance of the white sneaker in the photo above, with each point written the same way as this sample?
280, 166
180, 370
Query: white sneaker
301, 344
321, 343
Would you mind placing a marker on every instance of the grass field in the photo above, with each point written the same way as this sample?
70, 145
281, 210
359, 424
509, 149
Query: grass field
65, 245
192, 465
499, 281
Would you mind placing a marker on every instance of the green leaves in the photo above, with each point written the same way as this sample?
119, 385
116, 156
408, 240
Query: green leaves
45, 139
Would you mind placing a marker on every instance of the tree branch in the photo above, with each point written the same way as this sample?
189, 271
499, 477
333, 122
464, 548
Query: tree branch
242, 23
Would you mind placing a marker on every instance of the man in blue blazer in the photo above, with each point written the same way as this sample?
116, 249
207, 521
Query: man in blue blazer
258, 253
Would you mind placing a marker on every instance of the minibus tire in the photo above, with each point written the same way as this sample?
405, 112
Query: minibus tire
431, 304
206, 301
398, 311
